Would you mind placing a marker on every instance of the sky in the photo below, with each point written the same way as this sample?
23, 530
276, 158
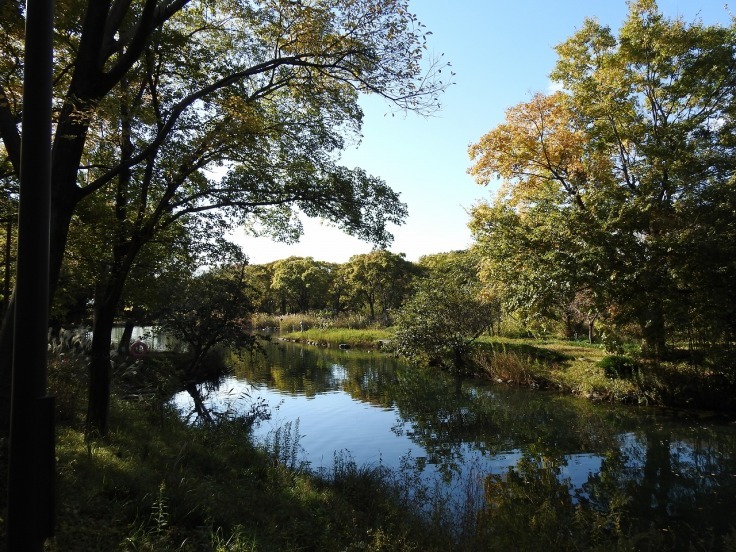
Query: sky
502, 53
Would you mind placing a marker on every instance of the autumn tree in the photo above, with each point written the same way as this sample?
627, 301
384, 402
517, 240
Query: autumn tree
152, 96
608, 183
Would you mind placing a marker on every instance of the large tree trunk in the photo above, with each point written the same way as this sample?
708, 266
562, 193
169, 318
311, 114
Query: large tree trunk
653, 333
107, 299
63, 206
124, 343
100, 371
569, 326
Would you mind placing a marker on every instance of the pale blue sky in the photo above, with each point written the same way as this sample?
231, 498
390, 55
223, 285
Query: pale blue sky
502, 53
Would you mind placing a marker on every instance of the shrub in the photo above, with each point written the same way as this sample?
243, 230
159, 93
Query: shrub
618, 366
440, 322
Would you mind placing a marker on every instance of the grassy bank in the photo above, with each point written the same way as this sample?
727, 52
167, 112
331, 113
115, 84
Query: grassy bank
575, 367
588, 371
366, 338
155, 484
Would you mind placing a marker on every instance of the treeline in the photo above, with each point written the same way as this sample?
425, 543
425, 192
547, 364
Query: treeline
374, 284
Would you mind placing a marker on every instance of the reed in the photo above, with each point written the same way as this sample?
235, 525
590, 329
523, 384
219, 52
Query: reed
305, 321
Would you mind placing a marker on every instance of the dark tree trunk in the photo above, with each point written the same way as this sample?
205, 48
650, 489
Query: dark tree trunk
569, 327
653, 333
371, 304
124, 344
61, 215
100, 371
199, 407
107, 300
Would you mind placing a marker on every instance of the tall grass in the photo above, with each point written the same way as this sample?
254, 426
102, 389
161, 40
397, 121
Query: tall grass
507, 367
282, 445
307, 321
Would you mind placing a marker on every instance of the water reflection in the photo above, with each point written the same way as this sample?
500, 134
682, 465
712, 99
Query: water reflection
632, 470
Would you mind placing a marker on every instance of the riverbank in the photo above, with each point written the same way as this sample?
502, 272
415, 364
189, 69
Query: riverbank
588, 371
575, 367
347, 338
155, 483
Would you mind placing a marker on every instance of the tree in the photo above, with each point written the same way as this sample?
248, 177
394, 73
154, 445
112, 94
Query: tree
439, 323
301, 283
261, 296
151, 95
208, 310
462, 268
379, 278
608, 181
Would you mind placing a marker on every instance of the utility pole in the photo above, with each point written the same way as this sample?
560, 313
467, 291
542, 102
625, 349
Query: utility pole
31, 478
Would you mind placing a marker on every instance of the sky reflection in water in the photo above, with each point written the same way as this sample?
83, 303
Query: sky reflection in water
383, 413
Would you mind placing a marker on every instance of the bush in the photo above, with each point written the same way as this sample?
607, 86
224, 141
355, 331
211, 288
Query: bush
440, 322
618, 366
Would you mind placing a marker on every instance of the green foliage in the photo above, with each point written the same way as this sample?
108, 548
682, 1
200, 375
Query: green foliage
620, 187
282, 445
440, 321
152, 104
379, 280
209, 310
157, 484
365, 338
618, 366
301, 283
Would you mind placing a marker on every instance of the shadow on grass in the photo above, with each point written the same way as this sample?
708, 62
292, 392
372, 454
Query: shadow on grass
526, 350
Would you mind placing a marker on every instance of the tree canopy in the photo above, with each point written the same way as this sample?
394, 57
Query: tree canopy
232, 112
618, 185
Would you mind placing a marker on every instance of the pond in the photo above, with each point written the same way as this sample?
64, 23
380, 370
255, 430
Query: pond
670, 471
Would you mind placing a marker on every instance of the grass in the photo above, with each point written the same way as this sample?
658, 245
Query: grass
575, 367
304, 321
157, 484
586, 370
367, 338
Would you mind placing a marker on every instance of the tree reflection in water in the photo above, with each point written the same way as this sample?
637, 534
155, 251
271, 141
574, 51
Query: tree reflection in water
536, 466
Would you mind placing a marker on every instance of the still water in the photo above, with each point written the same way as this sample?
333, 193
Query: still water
672, 470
